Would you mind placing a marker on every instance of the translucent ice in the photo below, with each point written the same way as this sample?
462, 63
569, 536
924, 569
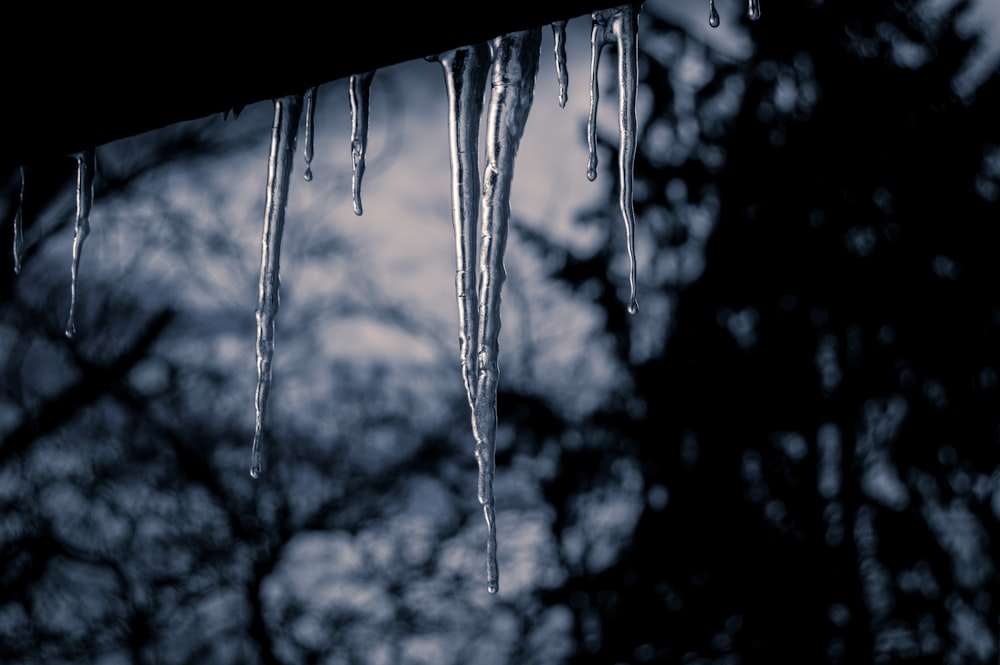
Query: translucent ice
310, 101
619, 26
559, 39
360, 88
512, 84
465, 72
86, 164
279, 168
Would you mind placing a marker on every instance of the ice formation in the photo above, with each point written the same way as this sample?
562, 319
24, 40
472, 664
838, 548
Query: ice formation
360, 87
482, 213
86, 164
18, 226
279, 169
465, 71
559, 46
310, 112
619, 26
713, 14
753, 9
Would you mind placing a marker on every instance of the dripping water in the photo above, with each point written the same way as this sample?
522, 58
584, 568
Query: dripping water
713, 14
559, 37
618, 26
310, 112
753, 10
360, 90
279, 168
465, 72
18, 227
86, 164
512, 84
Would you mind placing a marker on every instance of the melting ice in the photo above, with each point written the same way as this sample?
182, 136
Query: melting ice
279, 169
360, 89
86, 164
618, 26
310, 102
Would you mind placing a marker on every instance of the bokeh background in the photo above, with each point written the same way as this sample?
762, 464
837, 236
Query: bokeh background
791, 454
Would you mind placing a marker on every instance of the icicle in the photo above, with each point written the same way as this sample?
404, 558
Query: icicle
86, 164
713, 14
360, 87
465, 71
559, 37
753, 10
279, 168
515, 64
18, 224
310, 102
618, 25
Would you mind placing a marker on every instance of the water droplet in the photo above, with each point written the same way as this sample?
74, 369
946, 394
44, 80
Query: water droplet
310, 111
713, 14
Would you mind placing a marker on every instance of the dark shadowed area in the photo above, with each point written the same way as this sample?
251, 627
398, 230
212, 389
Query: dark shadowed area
790, 454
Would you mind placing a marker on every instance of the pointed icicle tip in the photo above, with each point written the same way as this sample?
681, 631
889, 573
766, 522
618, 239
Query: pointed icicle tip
713, 14
753, 10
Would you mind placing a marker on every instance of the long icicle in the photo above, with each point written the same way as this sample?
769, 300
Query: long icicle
619, 26
515, 64
559, 46
310, 111
19, 227
279, 168
86, 164
465, 72
360, 90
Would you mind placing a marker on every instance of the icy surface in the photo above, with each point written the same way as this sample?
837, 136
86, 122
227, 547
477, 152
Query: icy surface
86, 164
310, 111
18, 226
559, 39
360, 88
515, 64
279, 168
618, 26
465, 72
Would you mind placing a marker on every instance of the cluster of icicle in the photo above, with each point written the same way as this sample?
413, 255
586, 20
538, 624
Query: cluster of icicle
509, 63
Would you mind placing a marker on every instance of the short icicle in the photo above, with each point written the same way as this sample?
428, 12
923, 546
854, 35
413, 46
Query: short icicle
360, 89
559, 39
310, 111
287, 111
86, 164
19, 227
713, 14
619, 26
515, 65
465, 72
753, 10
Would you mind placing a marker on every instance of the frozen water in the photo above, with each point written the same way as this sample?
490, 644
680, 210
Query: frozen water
619, 26
310, 111
279, 168
713, 14
18, 226
753, 9
559, 39
86, 164
465, 72
512, 84
360, 89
